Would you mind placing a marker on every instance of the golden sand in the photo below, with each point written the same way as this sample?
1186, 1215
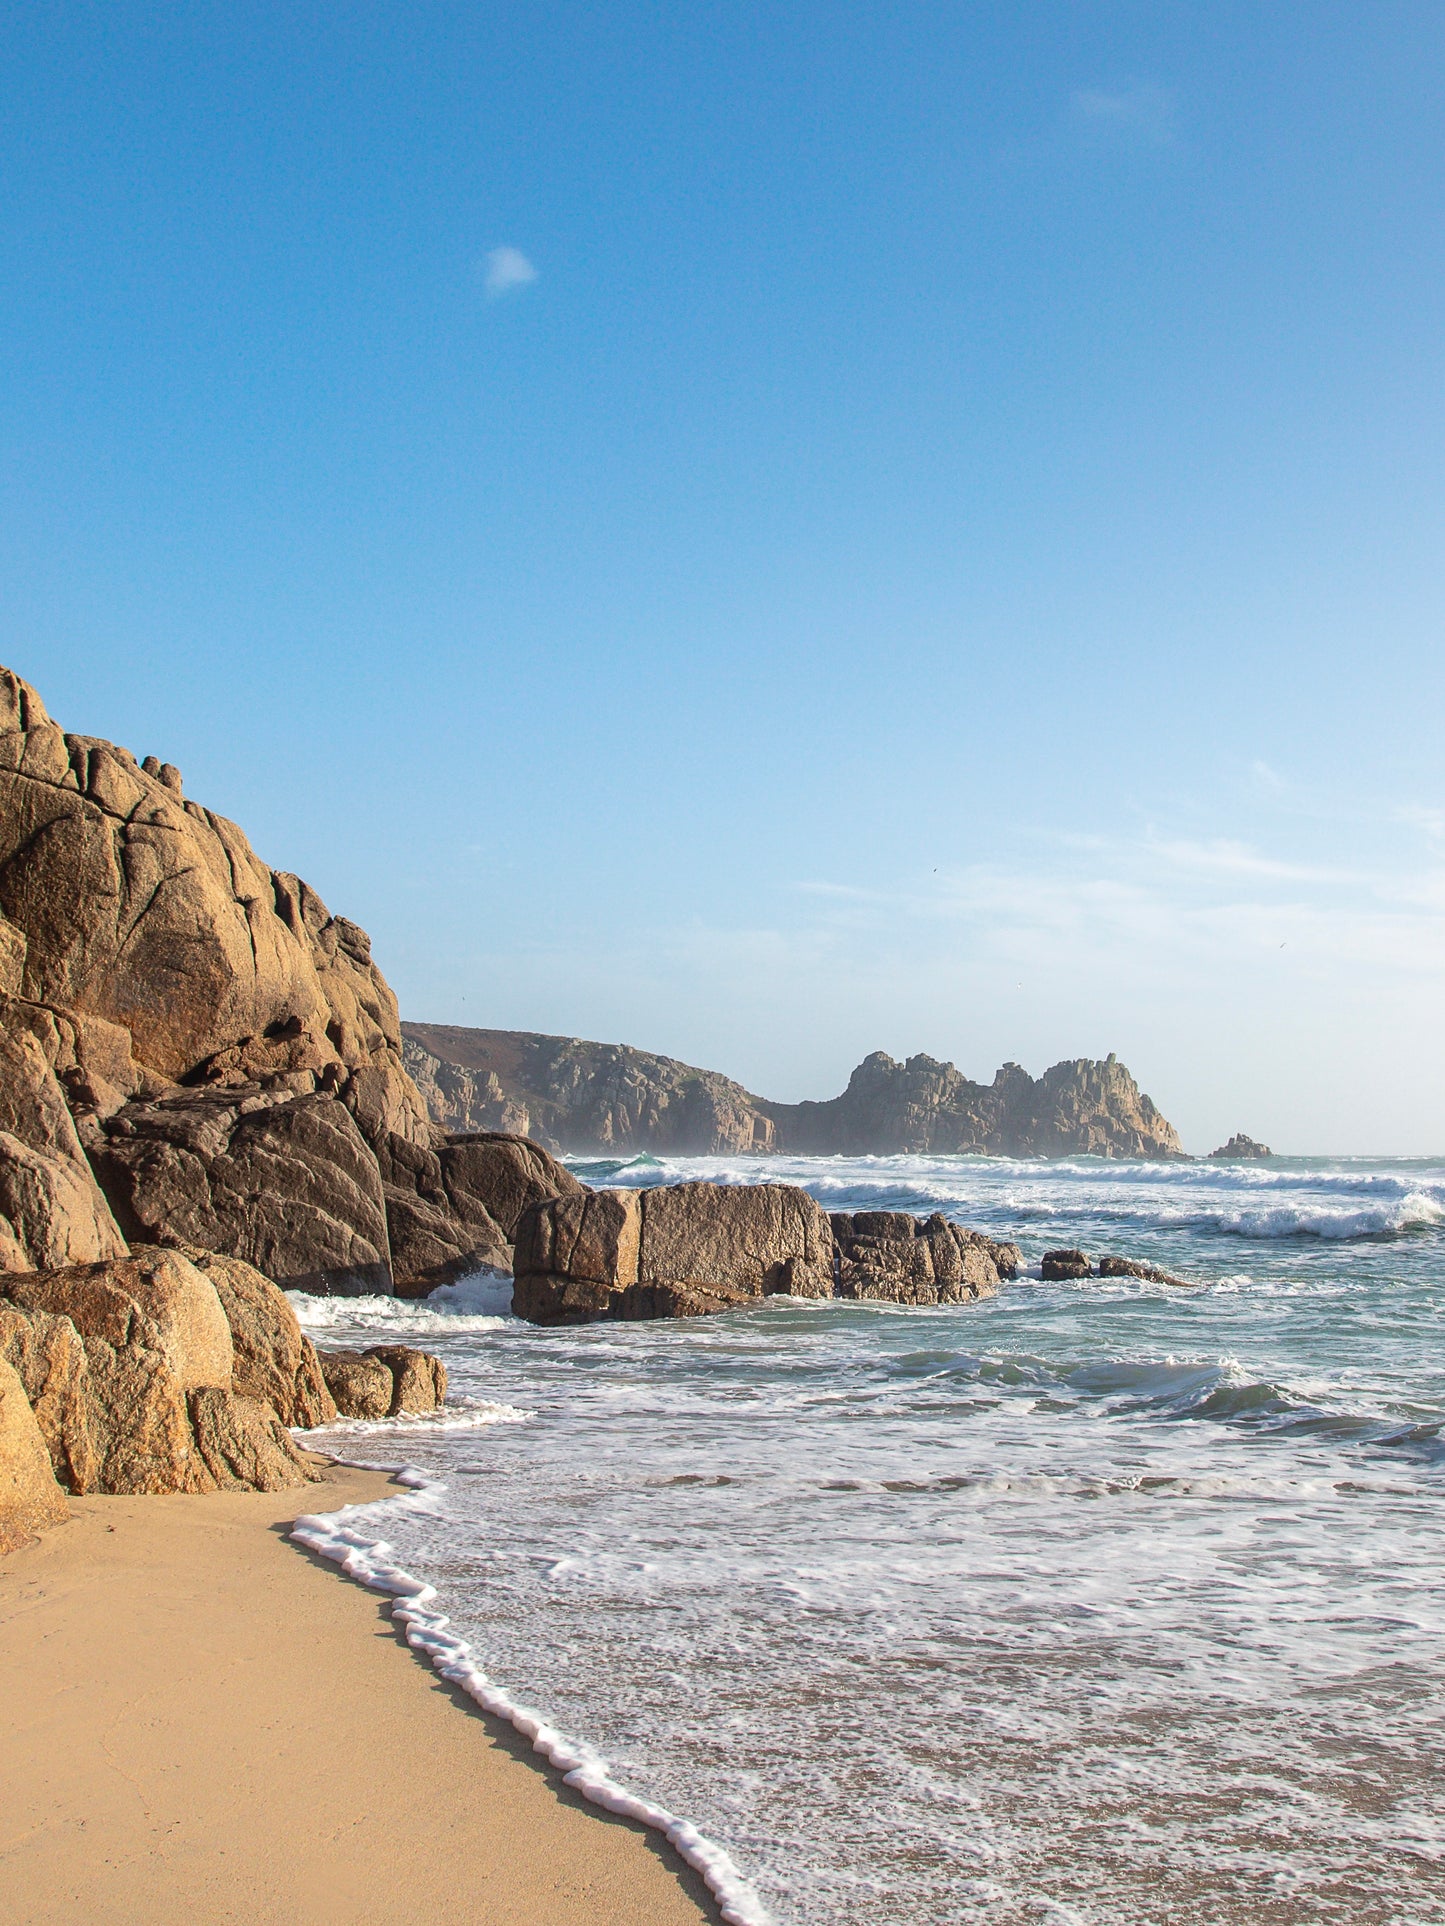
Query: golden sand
202, 1723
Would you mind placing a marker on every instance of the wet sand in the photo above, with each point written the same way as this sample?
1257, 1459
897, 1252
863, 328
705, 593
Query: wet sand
203, 1723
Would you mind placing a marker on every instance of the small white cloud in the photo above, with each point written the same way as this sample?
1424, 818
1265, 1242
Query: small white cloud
507, 268
1142, 112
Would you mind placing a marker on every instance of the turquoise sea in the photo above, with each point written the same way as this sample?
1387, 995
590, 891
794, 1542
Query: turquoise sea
1094, 1602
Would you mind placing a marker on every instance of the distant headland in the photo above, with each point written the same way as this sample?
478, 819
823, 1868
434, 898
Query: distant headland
608, 1098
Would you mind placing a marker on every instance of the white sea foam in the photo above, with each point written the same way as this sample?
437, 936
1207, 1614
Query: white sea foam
339, 1537
457, 1414
472, 1304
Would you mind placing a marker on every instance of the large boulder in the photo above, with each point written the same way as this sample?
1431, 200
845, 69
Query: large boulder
889, 1256
678, 1251
501, 1176
275, 1362
150, 1405
155, 1296
362, 1386
384, 1381
285, 1182
435, 1236
30, 1499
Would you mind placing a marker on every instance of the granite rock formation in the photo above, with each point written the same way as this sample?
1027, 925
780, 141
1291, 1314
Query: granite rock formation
384, 1381
679, 1251
129, 1368
610, 1100
888, 1255
194, 1050
1081, 1108
1240, 1149
273, 1361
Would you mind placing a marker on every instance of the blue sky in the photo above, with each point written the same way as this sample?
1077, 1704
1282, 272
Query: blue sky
773, 532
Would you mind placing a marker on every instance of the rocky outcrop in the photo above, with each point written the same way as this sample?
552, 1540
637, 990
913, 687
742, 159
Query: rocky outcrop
460, 1208
893, 1257
607, 1099
30, 1499
678, 1251
384, 1381
50, 1357
156, 1297
51, 1209
242, 1443
1240, 1149
194, 1050
1080, 1108
129, 1367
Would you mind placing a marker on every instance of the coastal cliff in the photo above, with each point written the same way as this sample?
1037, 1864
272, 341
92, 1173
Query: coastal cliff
195, 1052
604, 1097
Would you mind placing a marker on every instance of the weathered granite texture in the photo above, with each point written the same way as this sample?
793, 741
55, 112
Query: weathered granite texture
129, 1366
602, 1097
384, 1381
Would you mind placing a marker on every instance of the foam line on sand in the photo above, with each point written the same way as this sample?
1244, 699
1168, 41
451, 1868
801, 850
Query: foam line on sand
367, 1559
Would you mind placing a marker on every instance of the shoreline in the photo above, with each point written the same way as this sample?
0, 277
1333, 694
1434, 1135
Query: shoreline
205, 1726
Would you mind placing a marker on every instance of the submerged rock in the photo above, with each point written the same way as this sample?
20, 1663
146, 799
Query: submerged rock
1130, 1267
1060, 1265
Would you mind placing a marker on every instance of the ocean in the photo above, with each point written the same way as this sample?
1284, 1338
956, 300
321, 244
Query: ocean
1095, 1602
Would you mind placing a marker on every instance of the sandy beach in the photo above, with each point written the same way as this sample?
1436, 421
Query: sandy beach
203, 1724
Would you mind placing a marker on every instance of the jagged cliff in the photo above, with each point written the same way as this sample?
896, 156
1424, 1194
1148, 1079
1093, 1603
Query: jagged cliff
605, 1097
